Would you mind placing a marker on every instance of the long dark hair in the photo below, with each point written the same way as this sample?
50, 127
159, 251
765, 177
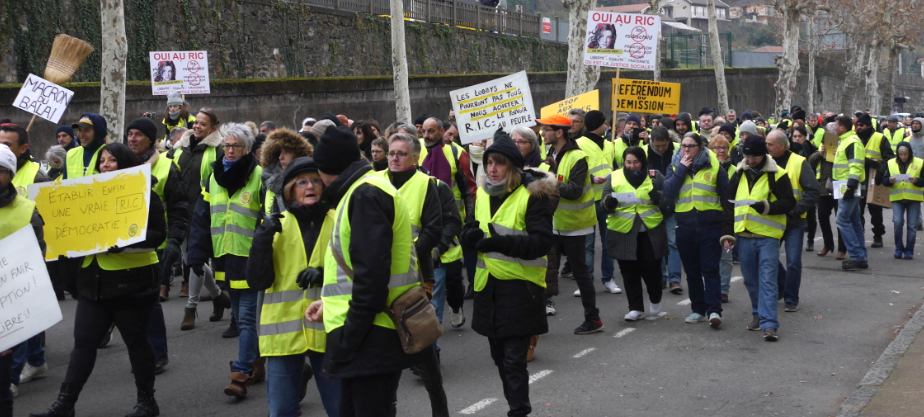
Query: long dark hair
124, 156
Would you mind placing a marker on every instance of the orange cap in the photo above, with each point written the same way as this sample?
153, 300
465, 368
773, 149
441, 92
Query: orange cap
555, 120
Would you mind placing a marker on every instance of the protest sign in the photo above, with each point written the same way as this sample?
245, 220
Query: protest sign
643, 96
88, 215
501, 103
43, 98
186, 72
28, 304
830, 142
587, 102
621, 40
878, 194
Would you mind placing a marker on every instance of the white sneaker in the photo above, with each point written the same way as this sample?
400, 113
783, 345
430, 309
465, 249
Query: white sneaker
694, 318
577, 293
550, 308
15, 389
457, 318
715, 320
654, 308
633, 315
29, 372
611, 285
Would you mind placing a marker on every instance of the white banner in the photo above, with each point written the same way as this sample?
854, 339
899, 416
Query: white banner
43, 98
28, 304
501, 103
621, 40
184, 71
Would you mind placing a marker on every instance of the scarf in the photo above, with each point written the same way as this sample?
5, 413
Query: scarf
699, 161
436, 163
635, 178
272, 177
174, 115
533, 159
495, 190
228, 164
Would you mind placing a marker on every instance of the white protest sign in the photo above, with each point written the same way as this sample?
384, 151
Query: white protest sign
501, 103
43, 98
621, 40
28, 304
186, 72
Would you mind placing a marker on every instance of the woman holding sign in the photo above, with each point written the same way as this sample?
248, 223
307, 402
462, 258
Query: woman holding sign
119, 286
903, 174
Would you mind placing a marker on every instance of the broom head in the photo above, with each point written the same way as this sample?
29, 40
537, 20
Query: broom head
67, 55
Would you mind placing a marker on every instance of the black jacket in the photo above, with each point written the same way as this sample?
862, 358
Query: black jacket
781, 189
359, 348
574, 188
175, 201
190, 161
452, 220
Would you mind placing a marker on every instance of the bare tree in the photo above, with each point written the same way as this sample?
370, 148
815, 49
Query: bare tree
717, 63
114, 58
788, 62
654, 11
581, 78
871, 72
811, 48
399, 63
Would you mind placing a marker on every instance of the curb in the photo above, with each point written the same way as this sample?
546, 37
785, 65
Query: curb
883, 367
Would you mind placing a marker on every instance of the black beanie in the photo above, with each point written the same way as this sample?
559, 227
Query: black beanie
337, 149
420, 120
593, 120
258, 142
730, 128
332, 118
865, 119
706, 110
799, 115
504, 145
146, 126
298, 166
755, 145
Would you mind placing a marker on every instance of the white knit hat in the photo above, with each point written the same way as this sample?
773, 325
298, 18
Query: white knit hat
7, 159
174, 99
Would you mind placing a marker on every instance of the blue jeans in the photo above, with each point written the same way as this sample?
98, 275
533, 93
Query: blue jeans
606, 263
789, 278
671, 265
759, 259
850, 229
899, 210
439, 291
725, 270
244, 306
284, 381
700, 255
30, 351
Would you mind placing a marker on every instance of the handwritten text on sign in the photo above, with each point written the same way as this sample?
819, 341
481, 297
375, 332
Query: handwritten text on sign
186, 72
502, 103
27, 300
587, 102
43, 98
643, 96
88, 215
621, 40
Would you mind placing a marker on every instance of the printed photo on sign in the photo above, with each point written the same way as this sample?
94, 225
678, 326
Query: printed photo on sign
185, 72
502, 103
621, 40
43, 98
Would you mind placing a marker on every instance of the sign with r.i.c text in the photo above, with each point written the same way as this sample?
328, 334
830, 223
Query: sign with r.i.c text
502, 103
43, 98
587, 102
621, 40
186, 72
643, 96
85, 216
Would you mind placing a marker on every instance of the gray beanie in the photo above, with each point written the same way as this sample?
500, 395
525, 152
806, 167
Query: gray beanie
748, 127
174, 99
320, 127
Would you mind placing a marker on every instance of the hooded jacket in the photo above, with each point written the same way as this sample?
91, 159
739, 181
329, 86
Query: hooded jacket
781, 189
99, 139
902, 166
916, 140
689, 122
190, 161
282, 140
677, 174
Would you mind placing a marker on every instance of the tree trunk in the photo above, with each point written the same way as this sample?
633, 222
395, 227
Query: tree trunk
872, 78
653, 10
852, 81
112, 75
581, 78
894, 55
717, 63
788, 63
399, 63
810, 47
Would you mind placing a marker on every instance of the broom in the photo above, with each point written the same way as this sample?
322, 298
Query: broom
67, 55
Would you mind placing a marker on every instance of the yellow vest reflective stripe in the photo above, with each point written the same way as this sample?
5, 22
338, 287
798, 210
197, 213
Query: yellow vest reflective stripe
75, 167
129, 258
748, 219
895, 137
574, 217
906, 190
619, 148
622, 218
509, 220
845, 169
161, 170
234, 219
454, 253
872, 147
25, 177
16, 215
338, 284
205, 167
701, 191
598, 161
283, 329
414, 192
794, 169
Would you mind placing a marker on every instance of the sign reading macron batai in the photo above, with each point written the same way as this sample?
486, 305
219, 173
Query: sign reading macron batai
621, 40
186, 72
643, 96
43, 98
501, 103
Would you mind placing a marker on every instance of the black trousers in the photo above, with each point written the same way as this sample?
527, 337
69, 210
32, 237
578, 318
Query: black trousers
551, 274
509, 356
811, 223
827, 204
875, 217
6, 396
370, 396
573, 248
645, 268
429, 370
132, 316
455, 289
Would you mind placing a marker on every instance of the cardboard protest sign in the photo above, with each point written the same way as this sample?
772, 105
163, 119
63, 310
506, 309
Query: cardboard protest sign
621, 40
43, 98
186, 72
501, 103
88, 215
587, 102
830, 141
28, 304
877, 194
643, 96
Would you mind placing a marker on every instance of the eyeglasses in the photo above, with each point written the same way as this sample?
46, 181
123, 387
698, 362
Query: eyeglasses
304, 183
233, 146
688, 146
720, 148
376, 151
398, 154
521, 142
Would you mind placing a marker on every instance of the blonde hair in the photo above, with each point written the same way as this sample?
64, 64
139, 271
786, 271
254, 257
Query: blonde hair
718, 138
514, 176
288, 191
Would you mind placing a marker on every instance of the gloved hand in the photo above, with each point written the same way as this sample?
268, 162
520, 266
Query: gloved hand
655, 197
849, 194
273, 223
610, 203
115, 249
471, 236
172, 252
492, 244
197, 269
758, 207
310, 278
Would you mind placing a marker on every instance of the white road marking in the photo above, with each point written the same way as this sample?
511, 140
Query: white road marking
539, 375
624, 332
584, 352
476, 407
661, 314
737, 278
684, 302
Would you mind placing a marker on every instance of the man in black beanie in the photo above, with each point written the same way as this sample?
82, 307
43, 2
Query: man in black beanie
878, 148
418, 123
366, 356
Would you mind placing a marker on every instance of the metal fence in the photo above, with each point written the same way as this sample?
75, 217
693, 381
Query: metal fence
694, 51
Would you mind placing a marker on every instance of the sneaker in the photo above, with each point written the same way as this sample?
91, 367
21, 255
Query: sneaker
852, 264
877, 242
770, 335
30, 372
633, 315
909, 256
566, 272
724, 298
550, 308
589, 327
676, 288
920, 227
577, 293
611, 285
457, 318
715, 320
863, 265
695, 318
107, 338
654, 308
810, 247
791, 308
898, 254
754, 325
735, 260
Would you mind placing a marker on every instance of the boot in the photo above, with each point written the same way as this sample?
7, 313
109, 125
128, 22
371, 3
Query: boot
533, 342
232, 330
238, 386
146, 406
64, 405
307, 374
184, 290
877, 242
259, 371
220, 303
189, 319
164, 293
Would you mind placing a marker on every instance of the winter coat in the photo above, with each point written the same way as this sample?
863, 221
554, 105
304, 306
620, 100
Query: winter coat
452, 220
516, 308
574, 188
282, 140
902, 166
781, 189
694, 219
175, 202
810, 192
190, 161
624, 246
7, 196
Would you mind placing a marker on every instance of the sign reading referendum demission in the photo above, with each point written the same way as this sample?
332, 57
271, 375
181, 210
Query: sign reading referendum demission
643, 96
85, 216
501, 103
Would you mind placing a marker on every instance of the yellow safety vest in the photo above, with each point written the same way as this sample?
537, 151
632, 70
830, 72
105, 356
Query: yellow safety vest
205, 166
233, 220
872, 147
845, 169
819, 136
16, 215
574, 217
895, 137
75, 168
414, 192
621, 220
448, 153
794, 169
25, 177
906, 190
619, 148
338, 282
180, 122
509, 220
748, 219
161, 170
598, 161
454, 253
700, 192
283, 329
268, 202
